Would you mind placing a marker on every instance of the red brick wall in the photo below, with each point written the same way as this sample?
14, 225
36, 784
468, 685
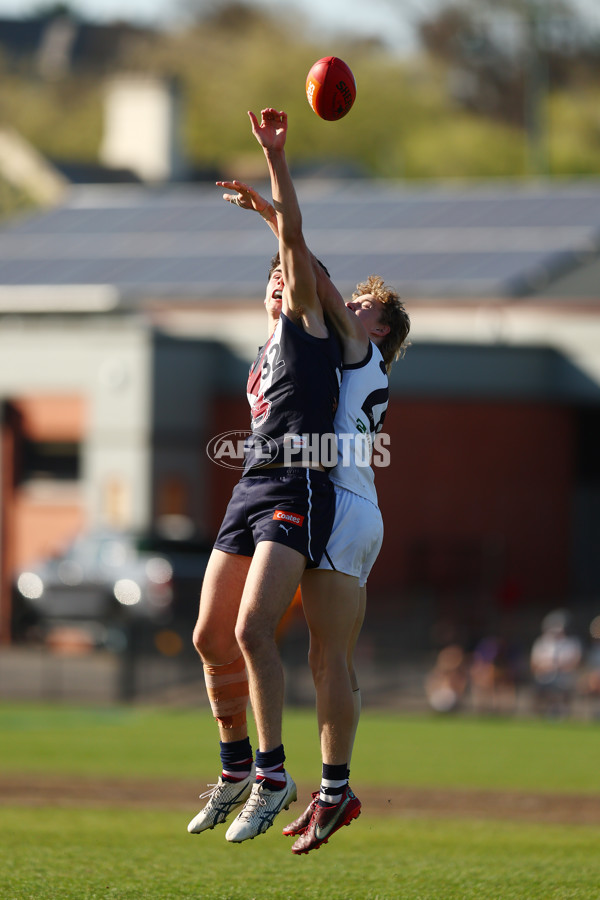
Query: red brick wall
490, 482
477, 496
229, 414
43, 520
42, 529
51, 417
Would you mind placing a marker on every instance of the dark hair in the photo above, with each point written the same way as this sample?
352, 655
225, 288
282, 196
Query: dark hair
276, 263
323, 267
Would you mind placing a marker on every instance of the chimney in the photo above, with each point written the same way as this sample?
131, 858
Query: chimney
142, 119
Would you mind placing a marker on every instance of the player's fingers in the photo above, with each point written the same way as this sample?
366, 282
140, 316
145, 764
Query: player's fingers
238, 200
269, 115
240, 188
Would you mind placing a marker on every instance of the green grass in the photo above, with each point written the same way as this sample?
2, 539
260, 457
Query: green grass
81, 853
419, 751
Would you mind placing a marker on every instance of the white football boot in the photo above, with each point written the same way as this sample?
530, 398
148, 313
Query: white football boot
260, 810
224, 798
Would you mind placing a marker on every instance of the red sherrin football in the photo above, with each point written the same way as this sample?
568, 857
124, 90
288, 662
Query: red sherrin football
330, 88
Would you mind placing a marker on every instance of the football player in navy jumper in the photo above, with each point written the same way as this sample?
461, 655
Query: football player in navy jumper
374, 328
277, 523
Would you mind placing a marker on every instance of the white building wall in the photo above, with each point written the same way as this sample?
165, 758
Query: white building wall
110, 365
141, 127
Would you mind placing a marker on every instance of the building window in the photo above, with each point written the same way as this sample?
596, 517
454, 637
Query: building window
49, 460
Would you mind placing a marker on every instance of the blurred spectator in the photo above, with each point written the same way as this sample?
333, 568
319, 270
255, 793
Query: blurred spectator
555, 660
493, 676
590, 683
446, 684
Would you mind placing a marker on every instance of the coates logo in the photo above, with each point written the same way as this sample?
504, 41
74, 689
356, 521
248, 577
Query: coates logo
229, 448
282, 516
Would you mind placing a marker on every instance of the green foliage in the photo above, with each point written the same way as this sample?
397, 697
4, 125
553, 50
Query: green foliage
404, 123
62, 119
574, 132
12, 201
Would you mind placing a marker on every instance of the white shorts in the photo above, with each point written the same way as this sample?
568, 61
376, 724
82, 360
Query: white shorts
356, 536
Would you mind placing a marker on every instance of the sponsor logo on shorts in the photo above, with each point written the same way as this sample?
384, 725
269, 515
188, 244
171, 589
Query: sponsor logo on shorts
281, 516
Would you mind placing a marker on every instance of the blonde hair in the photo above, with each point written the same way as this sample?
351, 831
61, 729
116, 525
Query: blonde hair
393, 314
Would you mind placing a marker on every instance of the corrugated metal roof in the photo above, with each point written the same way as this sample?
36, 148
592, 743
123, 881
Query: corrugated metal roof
184, 241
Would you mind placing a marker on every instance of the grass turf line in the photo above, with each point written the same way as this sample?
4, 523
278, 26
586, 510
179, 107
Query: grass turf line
492, 754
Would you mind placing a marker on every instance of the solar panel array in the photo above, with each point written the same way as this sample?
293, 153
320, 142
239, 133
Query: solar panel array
184, 241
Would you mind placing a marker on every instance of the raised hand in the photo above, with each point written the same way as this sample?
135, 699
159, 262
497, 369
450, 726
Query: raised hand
272, 129
246, 197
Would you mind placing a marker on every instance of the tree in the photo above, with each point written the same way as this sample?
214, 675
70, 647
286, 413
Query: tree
505, 56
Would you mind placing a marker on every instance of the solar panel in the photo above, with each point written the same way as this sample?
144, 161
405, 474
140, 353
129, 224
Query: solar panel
426, 239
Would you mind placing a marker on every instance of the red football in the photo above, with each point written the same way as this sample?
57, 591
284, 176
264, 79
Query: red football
330, 88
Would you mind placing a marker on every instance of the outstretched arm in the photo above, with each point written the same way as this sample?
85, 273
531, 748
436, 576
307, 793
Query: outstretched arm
300, 300
247, 198
350, 330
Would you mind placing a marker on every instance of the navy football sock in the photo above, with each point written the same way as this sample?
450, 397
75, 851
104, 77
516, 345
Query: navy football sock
236, 759
333, 781
270, 769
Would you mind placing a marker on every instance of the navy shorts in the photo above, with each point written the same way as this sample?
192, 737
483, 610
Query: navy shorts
295, 507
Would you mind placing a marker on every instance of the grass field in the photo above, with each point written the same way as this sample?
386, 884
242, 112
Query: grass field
58, 853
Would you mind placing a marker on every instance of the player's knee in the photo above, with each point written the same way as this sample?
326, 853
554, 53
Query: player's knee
319, 653
315, 657
326, 662
249, 636
212, 644
200, 639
